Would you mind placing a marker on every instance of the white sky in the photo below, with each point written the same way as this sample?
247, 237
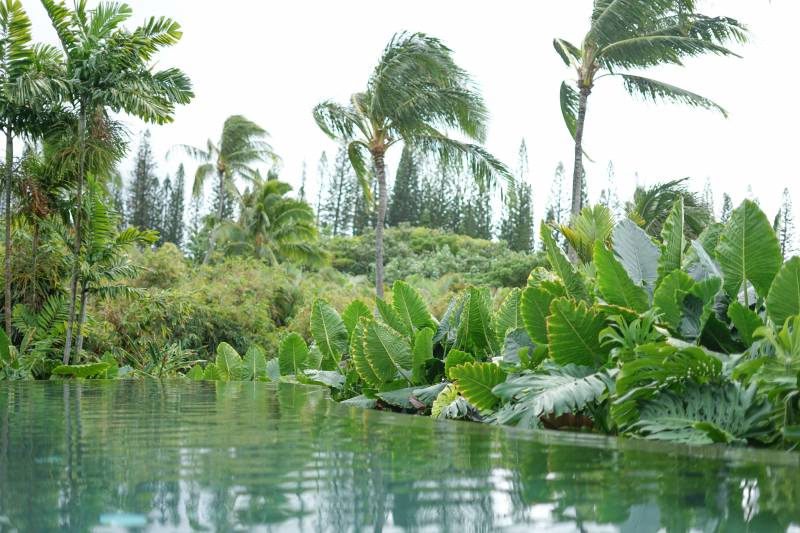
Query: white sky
273, 61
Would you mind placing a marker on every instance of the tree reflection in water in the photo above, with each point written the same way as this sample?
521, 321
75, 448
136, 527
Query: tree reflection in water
226, 456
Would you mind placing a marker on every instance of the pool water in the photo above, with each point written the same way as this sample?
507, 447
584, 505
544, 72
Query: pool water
206, 456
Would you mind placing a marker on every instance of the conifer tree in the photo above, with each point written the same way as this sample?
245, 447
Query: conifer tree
173, 212
609, 197
301, 193
323, 171
708, 199
364, 215
336, 215
727, 209
404, 206
785, 226
517, 225
143, 207
557, 210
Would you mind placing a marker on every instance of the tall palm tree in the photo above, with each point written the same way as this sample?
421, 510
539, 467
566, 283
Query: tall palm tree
272, 227
629, 35
651, 206
241, 145
109, 66
27, 81
415, 94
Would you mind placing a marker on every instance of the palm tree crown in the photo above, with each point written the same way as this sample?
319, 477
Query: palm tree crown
631, 35
415, 95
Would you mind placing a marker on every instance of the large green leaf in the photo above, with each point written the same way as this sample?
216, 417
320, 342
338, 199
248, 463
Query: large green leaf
358, 354
293, 354
5, 353
574, 332
423, 351
87, 370
410, 307
508, 316
561, 265
254, 364
673, 241
637, 253
476, 331
455, 358
475, 381
392, 318
229, 362
705, 414
614, 282
746, 322
386, 351
212, 373
196, 373
328, 331
355, 310
669, 297
748, 250
556, 391
783, 300
535, 308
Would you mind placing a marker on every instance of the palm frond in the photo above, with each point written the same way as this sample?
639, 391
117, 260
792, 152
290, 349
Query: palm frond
650, 89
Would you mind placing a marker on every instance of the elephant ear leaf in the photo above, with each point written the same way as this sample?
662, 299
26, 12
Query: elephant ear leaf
574, 332
293, 354
87, 370
455, 358
254, 364
355, 310
535, 308
329, 331
476, 330
508, 317
229, 362
783, 300
387, 352
637, 253
409, 305
674, 240
475, 381
748, 251
423, 350
746, 322
391, 318
614, 282
561, 265
359, 355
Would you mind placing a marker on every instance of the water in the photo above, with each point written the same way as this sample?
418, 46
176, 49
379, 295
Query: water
177, 456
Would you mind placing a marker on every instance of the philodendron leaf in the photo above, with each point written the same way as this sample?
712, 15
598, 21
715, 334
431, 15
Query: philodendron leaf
475, 382
535, 308
748, 251
783, 300
561, 265
574, 333
423, 351
455, 358
229, 362
637, 253
386, 351
508, 317
391, 318
746, 322
614, 282
254, 364
410, 307
355, 310
476, 331
292, 354
328, 330
669, 297
674, 241
87, 370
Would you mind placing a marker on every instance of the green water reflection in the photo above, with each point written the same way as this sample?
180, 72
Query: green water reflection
149, 456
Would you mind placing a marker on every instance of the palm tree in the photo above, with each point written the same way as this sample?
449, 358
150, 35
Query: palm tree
242, 144
414, 95
272, 227
109, 66
651, 206
631, 35
26, 82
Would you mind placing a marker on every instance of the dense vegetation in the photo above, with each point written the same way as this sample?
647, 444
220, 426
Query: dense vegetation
645, 318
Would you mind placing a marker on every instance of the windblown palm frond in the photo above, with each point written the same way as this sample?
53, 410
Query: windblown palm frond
651, 206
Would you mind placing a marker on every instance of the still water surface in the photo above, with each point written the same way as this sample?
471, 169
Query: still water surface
205, 456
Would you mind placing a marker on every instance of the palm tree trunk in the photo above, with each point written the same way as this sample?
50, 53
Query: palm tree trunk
7, 204
578, 173
32, 303
76, 250
81, 320
380, 172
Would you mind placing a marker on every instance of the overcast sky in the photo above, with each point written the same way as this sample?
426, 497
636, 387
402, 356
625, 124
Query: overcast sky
273, 61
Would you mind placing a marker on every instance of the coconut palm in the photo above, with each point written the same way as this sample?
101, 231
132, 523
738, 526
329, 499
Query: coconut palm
272, 227
651, 206
628, 35
241, 145
29, 78
109, 66
415, 94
